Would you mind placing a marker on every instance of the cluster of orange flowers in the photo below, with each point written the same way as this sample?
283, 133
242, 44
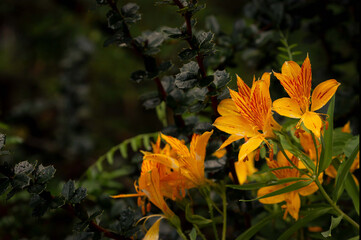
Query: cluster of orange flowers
170, 171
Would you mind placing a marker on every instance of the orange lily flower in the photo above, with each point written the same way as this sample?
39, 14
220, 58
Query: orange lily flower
292, 199
189, 163
296, 81
247, 115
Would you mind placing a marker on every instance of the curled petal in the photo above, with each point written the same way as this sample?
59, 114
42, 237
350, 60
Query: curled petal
271, 200
312, 122
287, 107
177, 145
153, 232
323, 93
266, 77
251, 145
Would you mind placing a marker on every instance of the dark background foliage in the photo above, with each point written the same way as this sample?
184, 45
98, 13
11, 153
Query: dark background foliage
65, 99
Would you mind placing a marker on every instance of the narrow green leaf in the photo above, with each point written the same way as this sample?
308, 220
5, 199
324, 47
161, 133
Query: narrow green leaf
326, 153
353, 191
250, 232
110, 158
342, 173
351, 144
354, 238
68, 190
123, 150
335, 221
252, 186
315, 213
286, 189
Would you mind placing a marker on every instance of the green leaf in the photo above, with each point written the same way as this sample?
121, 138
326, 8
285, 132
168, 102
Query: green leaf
342, 172
193, 234
351, 144
327, 143
187, 78
354, 238
2, 140
23, 167
287, 145
250, 232
353, 191
44, 174
221, 78
314, 213
187, 54
20, 181
130, 13
335, 221
78, 195
36, 188
339, 141
195, 219
252, 186
68, 190
290, 188
4, 183
39, 205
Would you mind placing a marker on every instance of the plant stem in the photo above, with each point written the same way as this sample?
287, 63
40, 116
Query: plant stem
210, 207
334, 205
224, 203
180, 232
199, 232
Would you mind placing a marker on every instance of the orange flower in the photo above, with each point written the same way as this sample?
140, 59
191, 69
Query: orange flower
296, 81
292, 199
189, 163
247, 115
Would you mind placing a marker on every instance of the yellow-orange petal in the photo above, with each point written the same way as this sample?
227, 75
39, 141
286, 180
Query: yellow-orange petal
177, 145
198, 150
312, 122
234, 125
271, 200
153, 232
323, 93
291, 69
227, 107
230, 140
252, 144
163, 159
244, 169
331, 171
266, 77
293, 204
287, 107
305, 78
346, 128
243, 89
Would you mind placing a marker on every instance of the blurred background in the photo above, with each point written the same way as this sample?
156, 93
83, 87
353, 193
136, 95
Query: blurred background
65, 99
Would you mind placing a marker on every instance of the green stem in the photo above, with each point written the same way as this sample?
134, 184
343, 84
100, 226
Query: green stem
224, 203
316, 149
337, 209
205, 192
180, 232
199, 232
